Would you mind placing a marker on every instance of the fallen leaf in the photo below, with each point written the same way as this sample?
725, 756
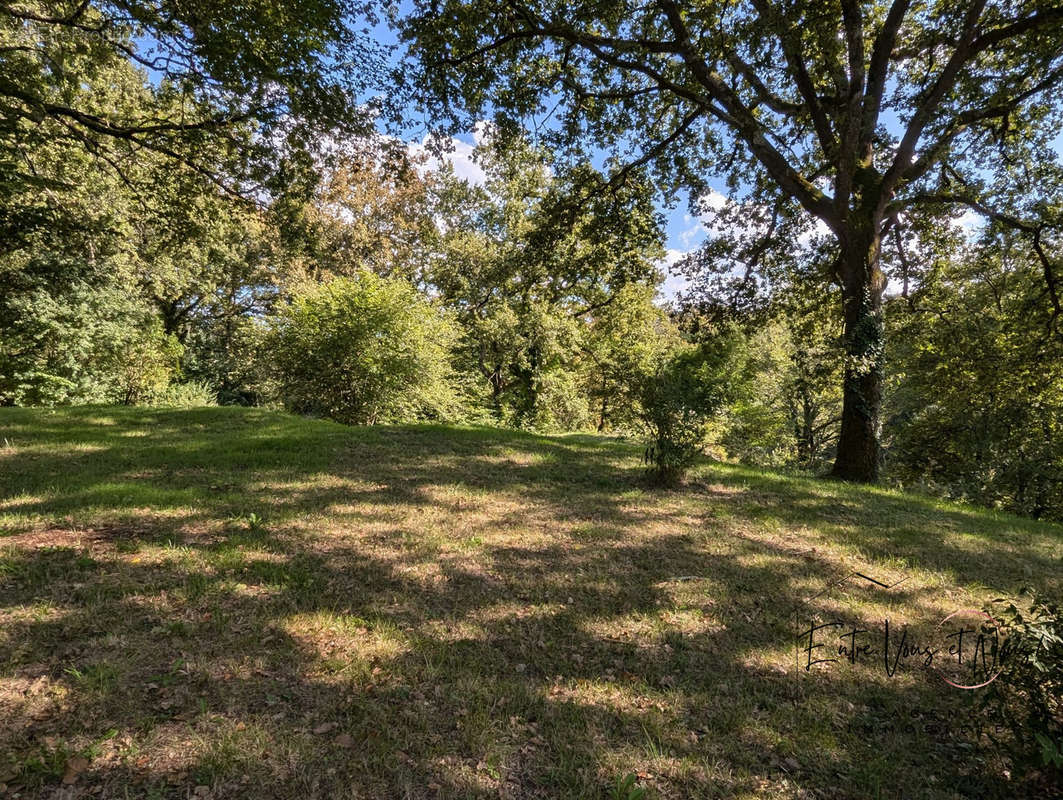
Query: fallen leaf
345, 740
74, 767
324, 727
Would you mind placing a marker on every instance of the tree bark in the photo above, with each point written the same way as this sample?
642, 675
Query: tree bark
862, 281
806, 438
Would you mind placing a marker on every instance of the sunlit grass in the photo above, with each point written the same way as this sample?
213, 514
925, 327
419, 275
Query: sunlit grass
270, 606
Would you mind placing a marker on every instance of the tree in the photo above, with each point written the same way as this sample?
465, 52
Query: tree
976, 393
361, 350
253, 79
792, 411
768, 287
628, 339
523, 267
856, 114
809, 386
66, 271
373, 211
94, 259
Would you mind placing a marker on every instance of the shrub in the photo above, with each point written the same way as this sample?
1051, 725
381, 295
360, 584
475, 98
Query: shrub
362, 350
192, 394
1027, 698
82, 344
678, 401
141, 365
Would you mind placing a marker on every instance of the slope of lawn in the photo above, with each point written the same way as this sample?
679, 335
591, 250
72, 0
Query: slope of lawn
240, 603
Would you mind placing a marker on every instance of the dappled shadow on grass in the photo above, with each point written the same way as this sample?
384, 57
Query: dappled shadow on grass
433, 612
998, 551
530, 702
270, 461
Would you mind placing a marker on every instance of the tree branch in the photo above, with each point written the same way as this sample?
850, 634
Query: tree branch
746, 125
792, 52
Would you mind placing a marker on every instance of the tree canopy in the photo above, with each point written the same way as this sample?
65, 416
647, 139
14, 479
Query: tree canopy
244, 94
857, 114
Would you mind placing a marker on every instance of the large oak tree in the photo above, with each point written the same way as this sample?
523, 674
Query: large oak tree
858, 114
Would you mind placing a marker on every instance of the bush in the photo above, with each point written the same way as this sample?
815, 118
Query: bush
678, 401
192, 394
83, 344
142, 366
361, 351
1027, 698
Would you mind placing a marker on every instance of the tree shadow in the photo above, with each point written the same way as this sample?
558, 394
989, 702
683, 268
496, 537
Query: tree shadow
438, 612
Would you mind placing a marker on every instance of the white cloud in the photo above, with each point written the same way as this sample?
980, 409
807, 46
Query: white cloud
703, 224
709, 204
458, 153
482, 131
674, 283
712, 200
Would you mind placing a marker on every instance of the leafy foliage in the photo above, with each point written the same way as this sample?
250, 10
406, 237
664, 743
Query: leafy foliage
858, 115
89, 284
977, 393
362, 350
1027, 698
241, 93
190, 394
629, 338
678, 400
142, 365
790, 414
525, 262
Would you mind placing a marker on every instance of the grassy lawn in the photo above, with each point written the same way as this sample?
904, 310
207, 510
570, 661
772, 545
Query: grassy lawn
239, 603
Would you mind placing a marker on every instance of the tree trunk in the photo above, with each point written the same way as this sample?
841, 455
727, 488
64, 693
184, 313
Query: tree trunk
496, 392
862, 285
806, 438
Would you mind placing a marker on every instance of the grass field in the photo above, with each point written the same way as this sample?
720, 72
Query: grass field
239, 603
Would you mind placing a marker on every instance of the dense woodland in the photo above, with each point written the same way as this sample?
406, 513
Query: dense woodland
232, 204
